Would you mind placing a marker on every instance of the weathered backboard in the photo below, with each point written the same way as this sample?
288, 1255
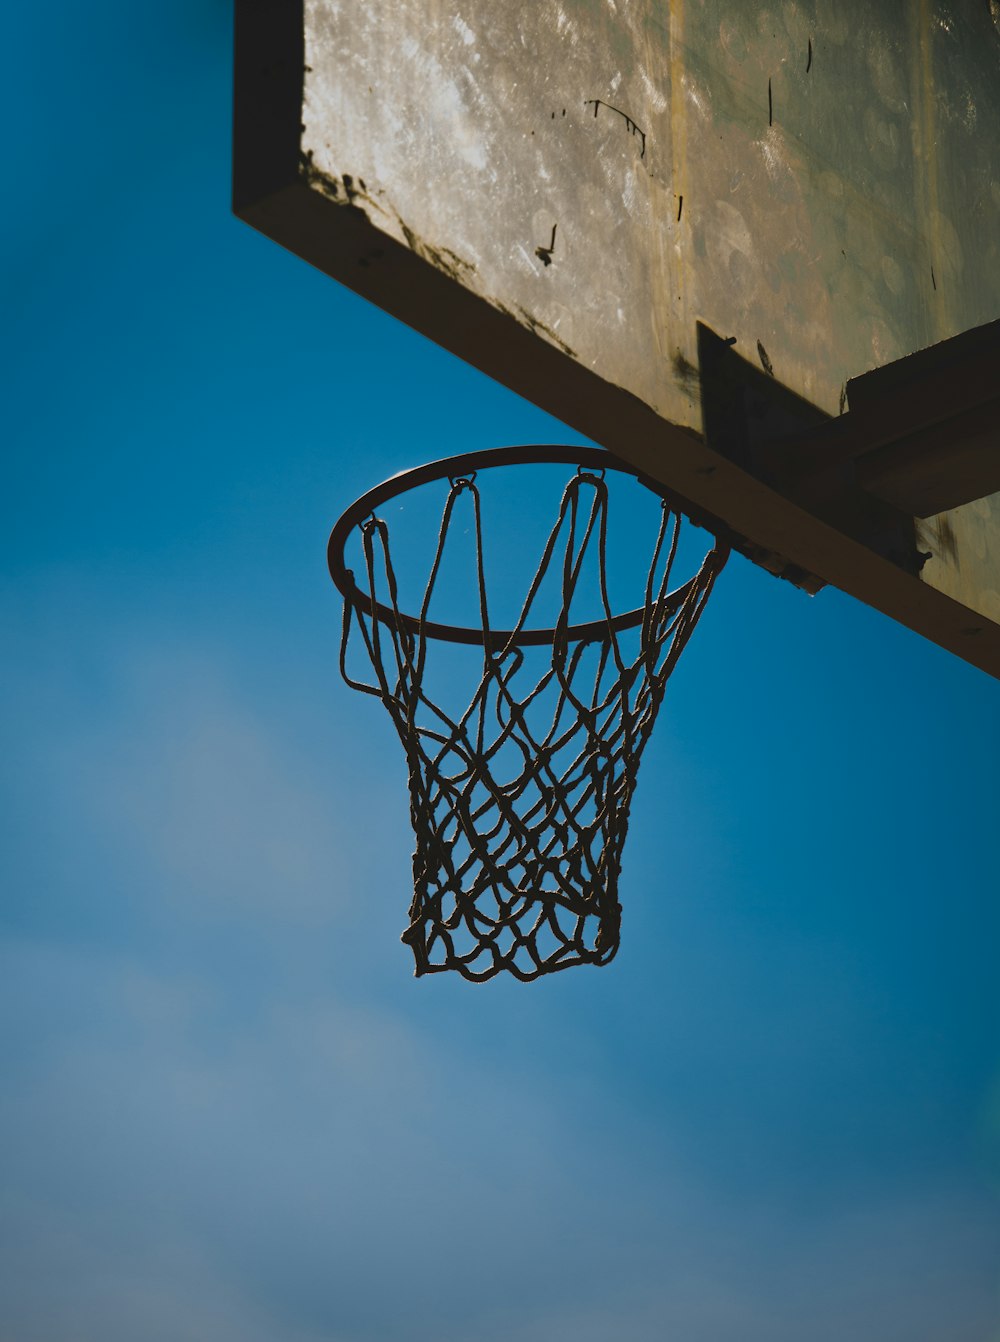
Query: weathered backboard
691, 229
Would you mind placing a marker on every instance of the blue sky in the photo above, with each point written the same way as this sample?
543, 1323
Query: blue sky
228, 1109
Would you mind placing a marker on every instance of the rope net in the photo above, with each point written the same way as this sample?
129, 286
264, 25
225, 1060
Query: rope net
520, 801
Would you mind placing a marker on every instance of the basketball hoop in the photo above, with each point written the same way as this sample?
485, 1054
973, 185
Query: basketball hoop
520, 798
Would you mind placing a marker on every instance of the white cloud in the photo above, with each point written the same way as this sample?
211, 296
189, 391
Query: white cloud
204, 801
200, 1144
319, 1168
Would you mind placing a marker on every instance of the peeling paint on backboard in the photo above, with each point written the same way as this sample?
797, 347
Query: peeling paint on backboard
818, 185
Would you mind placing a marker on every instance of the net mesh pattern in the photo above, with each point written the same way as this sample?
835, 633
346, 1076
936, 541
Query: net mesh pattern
520, 801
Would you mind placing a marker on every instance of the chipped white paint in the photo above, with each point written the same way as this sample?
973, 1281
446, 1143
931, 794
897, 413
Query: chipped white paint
455, 137
463, 30
565, 26
772, 151
729, 233
653, 90
696, 95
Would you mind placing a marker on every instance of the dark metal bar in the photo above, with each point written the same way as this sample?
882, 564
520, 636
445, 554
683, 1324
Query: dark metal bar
449, 468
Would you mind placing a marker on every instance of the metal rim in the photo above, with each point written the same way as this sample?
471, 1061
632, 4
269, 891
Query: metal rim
449, 468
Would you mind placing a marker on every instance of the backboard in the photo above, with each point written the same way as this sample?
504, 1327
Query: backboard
753, 250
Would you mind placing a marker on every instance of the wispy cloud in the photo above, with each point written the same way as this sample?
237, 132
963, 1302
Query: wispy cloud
209, 1144
161, 768
327, 1170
